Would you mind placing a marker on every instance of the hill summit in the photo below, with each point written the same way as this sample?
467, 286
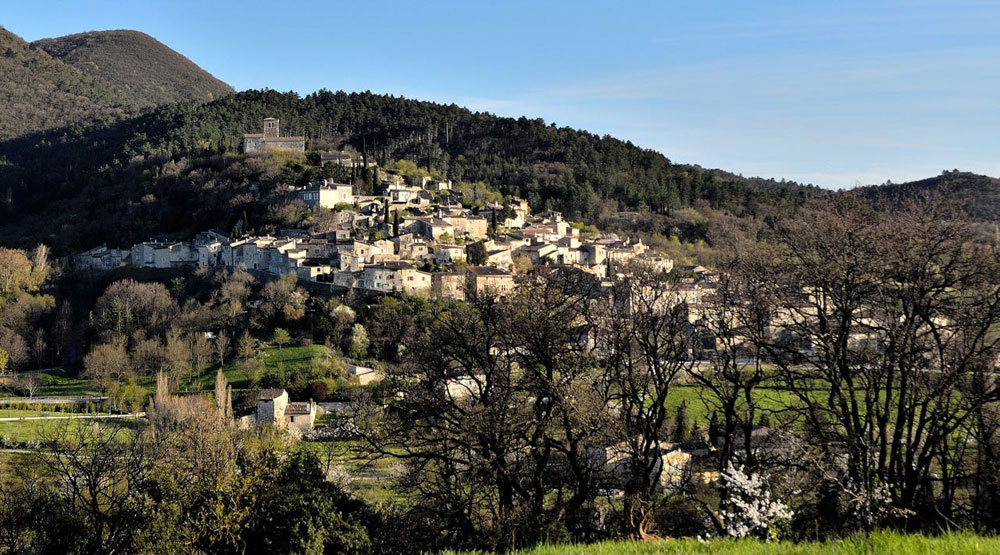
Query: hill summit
39, 92
150, 72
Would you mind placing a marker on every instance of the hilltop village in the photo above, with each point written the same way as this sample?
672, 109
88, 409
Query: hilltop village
414, 236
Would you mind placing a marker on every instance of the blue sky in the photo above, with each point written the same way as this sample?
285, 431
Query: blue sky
830, 93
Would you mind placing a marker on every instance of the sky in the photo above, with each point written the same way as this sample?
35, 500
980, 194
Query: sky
835, 94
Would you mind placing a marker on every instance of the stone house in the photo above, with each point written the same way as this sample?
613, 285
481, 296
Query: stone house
327, 195
247, 252
473, 226
539, 253
403, 195
274, 408
158, 254
300, 416
101, 258
449, 287
271, 405
430, 227
437, 185
415, 250
364, 374
390, 277
485, 278
501, 258
447, 254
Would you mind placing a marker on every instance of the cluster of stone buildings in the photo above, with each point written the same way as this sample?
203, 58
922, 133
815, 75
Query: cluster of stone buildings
414, 236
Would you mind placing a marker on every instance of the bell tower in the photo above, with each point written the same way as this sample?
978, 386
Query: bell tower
271, 128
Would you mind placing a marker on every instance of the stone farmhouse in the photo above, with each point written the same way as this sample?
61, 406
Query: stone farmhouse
274, 408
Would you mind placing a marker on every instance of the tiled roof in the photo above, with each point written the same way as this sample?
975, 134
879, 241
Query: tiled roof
487, 271
390, 265
270, 394
298, 408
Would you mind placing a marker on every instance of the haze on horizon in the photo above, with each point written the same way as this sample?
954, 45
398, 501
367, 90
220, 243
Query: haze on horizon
834, 95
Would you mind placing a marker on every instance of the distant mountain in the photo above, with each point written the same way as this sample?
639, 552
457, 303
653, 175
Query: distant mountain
146, 69
38, 92
978, 195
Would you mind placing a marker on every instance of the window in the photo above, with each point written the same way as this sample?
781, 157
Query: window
292, 418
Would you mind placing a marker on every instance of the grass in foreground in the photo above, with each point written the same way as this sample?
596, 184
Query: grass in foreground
882, 542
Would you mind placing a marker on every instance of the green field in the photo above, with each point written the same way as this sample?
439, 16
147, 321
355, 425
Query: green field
36, 430
768, 398
56, 383
291, 358
882, 542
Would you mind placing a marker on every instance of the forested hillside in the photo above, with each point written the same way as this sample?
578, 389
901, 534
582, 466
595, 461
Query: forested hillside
150, 72
175, 169
38, 92
978, 195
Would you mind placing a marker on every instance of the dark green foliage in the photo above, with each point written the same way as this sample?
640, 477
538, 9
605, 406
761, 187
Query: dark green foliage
476, 253
976, 195
303, 513
682, 424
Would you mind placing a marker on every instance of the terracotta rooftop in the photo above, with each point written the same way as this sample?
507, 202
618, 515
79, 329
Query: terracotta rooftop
297, 408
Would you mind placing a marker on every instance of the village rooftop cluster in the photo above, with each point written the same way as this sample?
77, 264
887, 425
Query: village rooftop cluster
412, 237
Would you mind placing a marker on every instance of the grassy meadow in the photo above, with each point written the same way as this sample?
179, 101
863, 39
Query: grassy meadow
881, 542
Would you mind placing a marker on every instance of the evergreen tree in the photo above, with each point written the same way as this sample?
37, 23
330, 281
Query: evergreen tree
682, 424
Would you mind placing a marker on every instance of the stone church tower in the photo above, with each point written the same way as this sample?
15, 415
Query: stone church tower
271, 138
271, 128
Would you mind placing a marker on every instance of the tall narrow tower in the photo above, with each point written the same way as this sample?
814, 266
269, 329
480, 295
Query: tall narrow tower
271, 128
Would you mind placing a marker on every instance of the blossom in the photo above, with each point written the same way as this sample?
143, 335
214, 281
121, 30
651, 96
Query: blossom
750, 509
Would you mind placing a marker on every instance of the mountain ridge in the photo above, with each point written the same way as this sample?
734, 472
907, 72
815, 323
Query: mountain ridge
40, 93
137, 63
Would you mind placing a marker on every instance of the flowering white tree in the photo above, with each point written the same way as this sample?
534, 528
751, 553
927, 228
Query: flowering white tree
750, 511
871, 506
